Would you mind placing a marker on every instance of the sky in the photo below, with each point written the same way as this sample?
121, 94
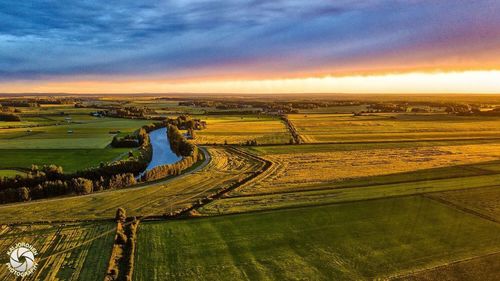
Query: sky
250, 46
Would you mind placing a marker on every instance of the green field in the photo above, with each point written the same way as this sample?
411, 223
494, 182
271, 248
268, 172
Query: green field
70, 159
354, 241
86, 146
57, 260
84, 134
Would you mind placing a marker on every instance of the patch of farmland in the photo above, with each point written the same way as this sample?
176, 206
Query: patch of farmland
485, 201
239, 129
317, 128
84, 134
226, 167
295, 171
87, 262
248, 203
355, 241
70, 159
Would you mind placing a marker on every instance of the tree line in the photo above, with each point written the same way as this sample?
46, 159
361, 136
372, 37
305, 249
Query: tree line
121, 262
50, 180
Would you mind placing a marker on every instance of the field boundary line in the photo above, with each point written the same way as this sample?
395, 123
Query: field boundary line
460, 208
404, 275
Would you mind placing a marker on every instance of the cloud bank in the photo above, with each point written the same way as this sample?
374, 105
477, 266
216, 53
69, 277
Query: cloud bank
188, 39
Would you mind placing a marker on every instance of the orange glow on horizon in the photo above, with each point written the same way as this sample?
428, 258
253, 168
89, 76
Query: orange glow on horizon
471, 81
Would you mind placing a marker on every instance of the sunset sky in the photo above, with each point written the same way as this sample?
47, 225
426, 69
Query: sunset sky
252, 46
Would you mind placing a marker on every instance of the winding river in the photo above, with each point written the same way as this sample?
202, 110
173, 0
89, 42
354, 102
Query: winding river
162, 154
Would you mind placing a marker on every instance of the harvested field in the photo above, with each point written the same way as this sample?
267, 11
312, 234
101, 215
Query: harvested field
318, 128
250, 203
87, 262
297, 171
239, 129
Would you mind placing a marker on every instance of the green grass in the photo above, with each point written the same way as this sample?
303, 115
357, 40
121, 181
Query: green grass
86, 134
70, 159
354, 241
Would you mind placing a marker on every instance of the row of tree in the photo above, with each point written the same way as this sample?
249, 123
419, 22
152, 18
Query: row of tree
121, 263
79, 186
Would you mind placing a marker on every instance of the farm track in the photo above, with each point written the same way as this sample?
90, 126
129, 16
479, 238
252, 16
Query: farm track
297, 138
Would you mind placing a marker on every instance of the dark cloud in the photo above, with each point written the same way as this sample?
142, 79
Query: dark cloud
56, 38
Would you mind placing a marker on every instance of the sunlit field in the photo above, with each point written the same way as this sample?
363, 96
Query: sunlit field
304, 167
355, 241
323, 194
240, 129
320, 128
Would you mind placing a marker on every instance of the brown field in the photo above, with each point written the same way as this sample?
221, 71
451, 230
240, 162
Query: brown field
298, 171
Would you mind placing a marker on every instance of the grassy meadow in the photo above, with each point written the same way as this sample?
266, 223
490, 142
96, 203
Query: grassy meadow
354, 241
